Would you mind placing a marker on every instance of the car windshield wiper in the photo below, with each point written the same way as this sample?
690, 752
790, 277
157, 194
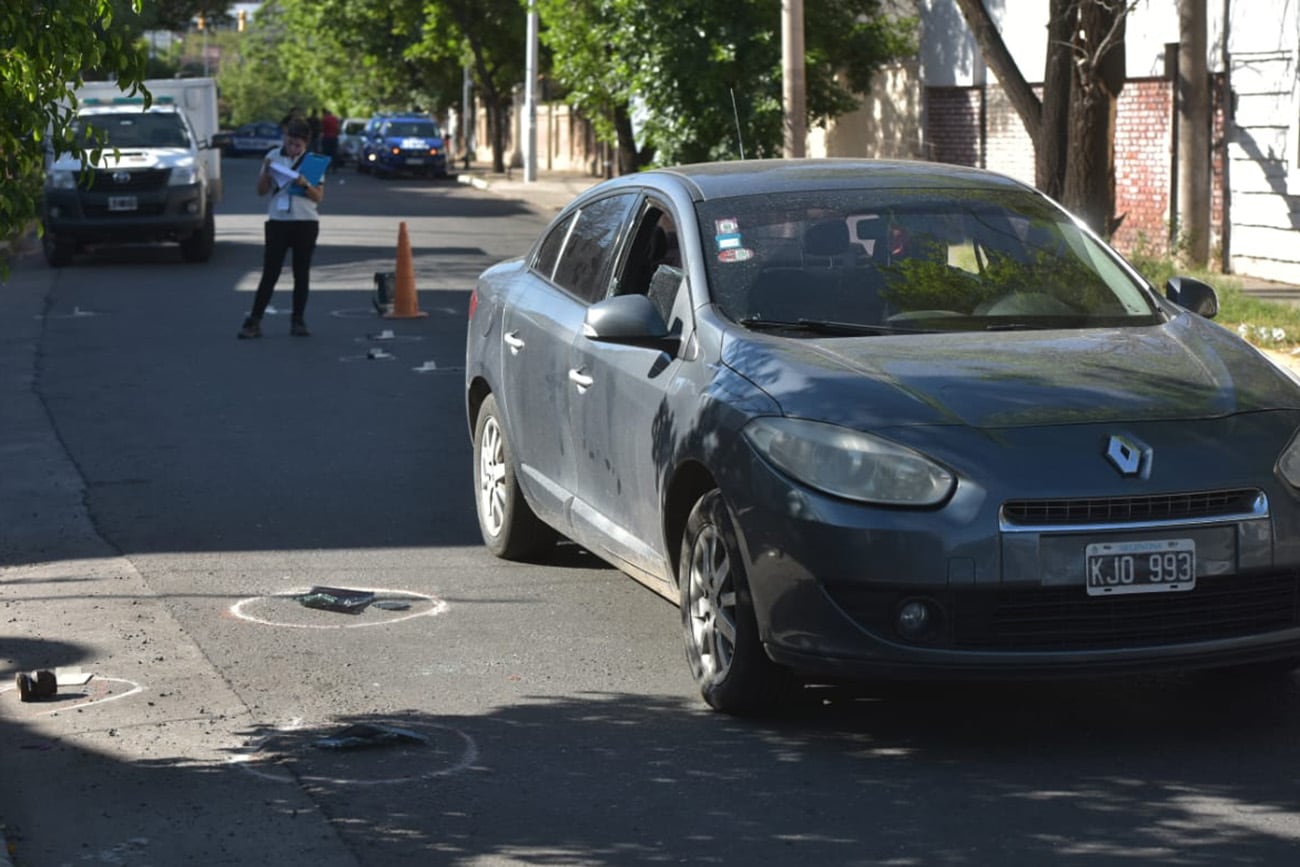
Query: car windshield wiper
822, 326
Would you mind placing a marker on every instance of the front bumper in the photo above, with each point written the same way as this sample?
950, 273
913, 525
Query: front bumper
87, 216
830, 578
412, 162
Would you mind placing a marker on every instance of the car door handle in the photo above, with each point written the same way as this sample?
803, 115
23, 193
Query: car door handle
514, 341
580, 379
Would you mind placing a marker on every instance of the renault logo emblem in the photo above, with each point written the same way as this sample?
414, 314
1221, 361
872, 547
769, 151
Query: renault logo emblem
1130, 456
121, 177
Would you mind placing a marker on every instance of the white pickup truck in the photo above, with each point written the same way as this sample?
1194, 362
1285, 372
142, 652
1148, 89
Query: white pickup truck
158, 178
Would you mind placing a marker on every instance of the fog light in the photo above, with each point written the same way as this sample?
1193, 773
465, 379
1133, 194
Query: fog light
913, 619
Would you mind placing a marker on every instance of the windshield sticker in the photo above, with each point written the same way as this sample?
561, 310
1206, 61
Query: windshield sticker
727, 226
727, 242
735, 254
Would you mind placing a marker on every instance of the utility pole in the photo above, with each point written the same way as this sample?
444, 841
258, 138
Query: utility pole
793, 82
1193, 83
530, 96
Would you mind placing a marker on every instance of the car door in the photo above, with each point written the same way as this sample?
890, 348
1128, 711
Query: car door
569, 270
618, 406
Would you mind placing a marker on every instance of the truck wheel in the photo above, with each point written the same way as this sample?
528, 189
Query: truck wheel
58, 252
198, 247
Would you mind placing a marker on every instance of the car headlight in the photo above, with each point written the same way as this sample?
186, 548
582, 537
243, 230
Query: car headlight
62, 180
851, 464
183, 176
1288, 465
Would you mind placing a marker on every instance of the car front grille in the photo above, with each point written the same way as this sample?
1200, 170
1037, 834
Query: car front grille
136, 180
1044, 619
1119, 510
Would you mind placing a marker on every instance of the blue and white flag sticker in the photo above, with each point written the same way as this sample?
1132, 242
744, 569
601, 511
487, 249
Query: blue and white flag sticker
727, 242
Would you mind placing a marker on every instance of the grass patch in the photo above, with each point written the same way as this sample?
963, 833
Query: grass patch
1266, 324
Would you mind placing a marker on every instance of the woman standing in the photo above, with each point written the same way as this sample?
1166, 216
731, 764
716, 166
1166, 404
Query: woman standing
292, 223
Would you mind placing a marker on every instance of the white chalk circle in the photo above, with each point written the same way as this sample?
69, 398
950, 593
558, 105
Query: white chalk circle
388, 607
291, 755
356, 313
97, 691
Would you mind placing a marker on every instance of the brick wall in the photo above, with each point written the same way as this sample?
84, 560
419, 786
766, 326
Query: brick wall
1143, 150
952, 125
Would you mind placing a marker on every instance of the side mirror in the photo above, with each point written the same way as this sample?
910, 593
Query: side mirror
1194, 295
631, 319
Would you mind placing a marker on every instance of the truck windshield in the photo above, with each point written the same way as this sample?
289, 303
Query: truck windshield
130, 130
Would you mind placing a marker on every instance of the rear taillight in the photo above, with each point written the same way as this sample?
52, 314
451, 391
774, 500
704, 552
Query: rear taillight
473, 303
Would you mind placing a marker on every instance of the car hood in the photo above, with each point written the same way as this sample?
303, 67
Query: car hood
1184, 369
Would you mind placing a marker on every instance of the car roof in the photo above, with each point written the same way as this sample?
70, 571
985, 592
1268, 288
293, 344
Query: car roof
778, 176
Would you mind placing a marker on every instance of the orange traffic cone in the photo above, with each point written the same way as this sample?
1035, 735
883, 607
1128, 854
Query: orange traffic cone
405, 304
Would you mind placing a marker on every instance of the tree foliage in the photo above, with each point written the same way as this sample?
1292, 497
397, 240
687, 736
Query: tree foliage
48, 49
702, 79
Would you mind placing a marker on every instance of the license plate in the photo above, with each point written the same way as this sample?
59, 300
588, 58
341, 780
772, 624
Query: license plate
1161, 566
121, 203
415, 161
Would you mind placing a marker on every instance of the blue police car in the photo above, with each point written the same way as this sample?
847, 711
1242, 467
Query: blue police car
395, 144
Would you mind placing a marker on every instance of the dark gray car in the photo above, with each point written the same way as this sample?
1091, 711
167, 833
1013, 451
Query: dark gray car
881, 419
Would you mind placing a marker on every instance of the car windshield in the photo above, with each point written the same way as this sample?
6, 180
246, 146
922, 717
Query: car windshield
893, 261
413, 128
130, 130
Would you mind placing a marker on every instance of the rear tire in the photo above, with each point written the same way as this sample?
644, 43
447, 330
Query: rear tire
727, 659
509, 527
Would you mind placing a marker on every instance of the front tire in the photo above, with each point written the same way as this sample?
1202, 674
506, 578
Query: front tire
198, 247
727, 659
58, 252
509, 527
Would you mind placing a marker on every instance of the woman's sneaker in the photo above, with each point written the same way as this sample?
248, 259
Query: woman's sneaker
251, 328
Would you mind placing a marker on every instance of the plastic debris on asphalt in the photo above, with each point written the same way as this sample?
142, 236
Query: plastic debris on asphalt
367, 736
337, 599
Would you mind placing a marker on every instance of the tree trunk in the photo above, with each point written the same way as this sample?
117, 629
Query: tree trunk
627, 156
1099, 74
998, 58
1051, 147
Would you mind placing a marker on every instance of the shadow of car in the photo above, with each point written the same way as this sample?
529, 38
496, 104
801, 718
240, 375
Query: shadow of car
253, 139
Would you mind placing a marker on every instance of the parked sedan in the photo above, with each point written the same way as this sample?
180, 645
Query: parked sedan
254, 139
886, 420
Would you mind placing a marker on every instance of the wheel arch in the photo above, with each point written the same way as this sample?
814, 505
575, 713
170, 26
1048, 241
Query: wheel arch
475, 393
690, 482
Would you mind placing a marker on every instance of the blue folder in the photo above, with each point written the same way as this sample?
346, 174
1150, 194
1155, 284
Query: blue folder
312, 168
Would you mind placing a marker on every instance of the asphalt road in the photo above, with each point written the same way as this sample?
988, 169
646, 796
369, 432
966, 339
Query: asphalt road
168, 491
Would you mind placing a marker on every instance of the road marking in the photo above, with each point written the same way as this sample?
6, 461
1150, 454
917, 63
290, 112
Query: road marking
434, 607
97, 684
290, 751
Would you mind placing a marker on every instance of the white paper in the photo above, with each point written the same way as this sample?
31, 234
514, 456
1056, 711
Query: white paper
283, 174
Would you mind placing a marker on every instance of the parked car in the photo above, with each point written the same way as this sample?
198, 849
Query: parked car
350, 139
395, 144
884, 419
254, 139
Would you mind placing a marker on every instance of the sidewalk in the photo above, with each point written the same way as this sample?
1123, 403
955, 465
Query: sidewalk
550, 192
